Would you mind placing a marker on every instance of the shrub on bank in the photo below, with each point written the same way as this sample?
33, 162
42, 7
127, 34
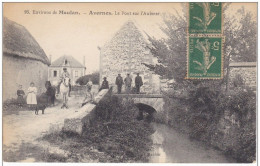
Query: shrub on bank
117, 132
226, 121
114, 136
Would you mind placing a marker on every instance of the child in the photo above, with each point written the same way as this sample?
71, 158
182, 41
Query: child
20, 94
89, 96
31, 97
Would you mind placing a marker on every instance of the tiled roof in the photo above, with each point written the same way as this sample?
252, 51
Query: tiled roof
71, 62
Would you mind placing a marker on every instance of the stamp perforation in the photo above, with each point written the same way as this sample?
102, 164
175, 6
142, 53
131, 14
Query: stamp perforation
205, 35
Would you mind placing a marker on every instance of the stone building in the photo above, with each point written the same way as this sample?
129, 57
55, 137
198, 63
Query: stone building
125, 53
24, 61
246, 71
75, 69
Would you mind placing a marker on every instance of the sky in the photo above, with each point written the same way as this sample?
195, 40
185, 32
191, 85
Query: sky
81, 35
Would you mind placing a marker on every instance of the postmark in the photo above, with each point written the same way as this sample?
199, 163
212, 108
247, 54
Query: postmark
205, 57
205, 17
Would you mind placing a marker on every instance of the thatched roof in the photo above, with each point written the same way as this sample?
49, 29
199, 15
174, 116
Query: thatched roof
17, 41
71, 62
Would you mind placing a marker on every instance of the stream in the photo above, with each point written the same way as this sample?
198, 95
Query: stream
171, 146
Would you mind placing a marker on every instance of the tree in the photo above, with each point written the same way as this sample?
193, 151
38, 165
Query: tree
240, 45
241, 36
94, 77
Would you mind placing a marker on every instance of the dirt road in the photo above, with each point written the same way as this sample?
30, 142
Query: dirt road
26, 127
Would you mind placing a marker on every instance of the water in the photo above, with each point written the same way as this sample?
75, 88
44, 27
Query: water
170, 146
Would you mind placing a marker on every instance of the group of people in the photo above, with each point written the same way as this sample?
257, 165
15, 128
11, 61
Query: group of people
31, 99
32, 90
127, 81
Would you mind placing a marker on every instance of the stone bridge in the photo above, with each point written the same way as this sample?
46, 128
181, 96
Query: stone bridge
154, 100
85, 115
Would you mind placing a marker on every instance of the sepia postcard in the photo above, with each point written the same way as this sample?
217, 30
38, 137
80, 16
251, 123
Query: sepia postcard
129, 82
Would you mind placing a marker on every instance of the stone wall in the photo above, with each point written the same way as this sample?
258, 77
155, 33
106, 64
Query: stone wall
85, 115
124, 54
246, 70
22, 71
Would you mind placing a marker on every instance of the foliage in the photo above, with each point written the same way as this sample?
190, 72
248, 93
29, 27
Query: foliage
94, 77
113, 136
240, 36
117, 132
240, 43
210, 113
171, 51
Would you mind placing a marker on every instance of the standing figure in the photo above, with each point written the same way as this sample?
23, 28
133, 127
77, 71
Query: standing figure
31, 97
64, 90
62, 77
128, 83
104, 84
20, 94
89, 96
138, 83
119, 83
89, 84
69, 88
50, 92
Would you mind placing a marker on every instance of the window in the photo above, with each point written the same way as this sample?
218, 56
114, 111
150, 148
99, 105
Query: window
54, 73
76, 73
66, 62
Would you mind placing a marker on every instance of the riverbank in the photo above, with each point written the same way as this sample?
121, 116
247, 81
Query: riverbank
114, 136
172, 146
225, 121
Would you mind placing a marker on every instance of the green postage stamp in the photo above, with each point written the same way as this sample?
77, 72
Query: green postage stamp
205, 17
205, 57
205, 41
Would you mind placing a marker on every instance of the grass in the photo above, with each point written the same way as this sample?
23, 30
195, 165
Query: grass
114, 136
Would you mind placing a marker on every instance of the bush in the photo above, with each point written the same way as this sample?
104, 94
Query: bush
117, 132
94, 77
114, 136
226, 121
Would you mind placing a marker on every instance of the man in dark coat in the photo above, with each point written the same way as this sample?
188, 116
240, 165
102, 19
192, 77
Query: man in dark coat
50, 92
138, 83
104, 84
119, 83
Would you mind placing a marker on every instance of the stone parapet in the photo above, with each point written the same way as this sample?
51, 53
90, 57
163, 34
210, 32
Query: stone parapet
83, 116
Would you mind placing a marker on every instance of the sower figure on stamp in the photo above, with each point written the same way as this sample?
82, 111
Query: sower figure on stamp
128, 83
138, 83
63, 75
208, 60
119, 83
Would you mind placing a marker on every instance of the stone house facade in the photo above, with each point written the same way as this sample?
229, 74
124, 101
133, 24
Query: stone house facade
24, 61
75, 69
124, 54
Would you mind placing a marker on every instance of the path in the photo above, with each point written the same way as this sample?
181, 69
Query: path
27, 127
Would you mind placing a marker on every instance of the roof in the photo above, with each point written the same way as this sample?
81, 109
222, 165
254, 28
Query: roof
18, 41
134, 26
242, 64
60, 62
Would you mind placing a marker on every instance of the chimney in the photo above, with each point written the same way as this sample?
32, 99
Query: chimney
84, 61
50, 59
